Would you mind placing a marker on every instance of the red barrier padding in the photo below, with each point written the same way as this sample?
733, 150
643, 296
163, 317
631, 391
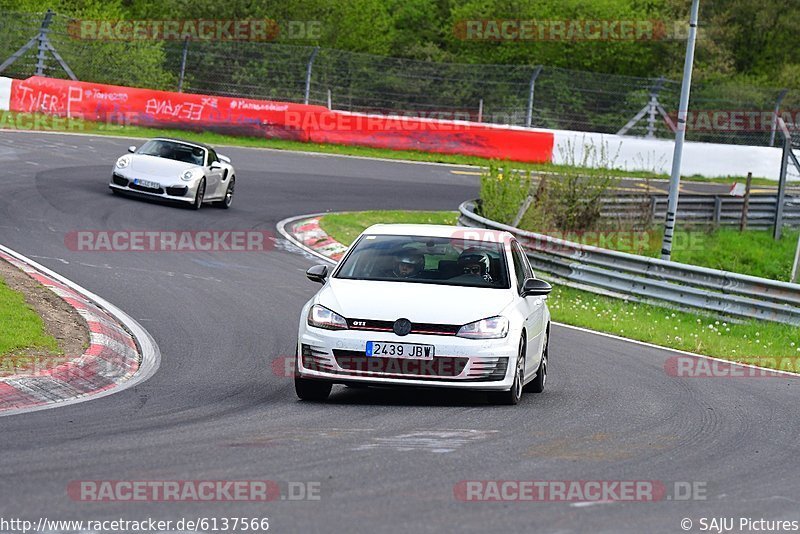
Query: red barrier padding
239, 116
146, 107
430, 135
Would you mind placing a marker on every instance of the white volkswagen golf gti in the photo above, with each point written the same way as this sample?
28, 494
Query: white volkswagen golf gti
426, 306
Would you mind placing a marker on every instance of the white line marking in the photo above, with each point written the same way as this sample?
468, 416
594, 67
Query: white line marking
151, 354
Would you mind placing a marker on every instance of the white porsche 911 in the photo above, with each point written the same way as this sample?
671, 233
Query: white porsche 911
426, 306
176, 170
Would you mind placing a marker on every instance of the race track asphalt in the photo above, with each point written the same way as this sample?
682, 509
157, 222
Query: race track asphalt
386, 460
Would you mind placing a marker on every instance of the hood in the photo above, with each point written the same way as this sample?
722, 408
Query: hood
417, 302
154, 166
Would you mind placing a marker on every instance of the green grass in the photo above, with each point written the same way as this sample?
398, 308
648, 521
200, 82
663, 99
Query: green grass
20, 327
674, 329
7, 120
345, 227
752, 342
752, 252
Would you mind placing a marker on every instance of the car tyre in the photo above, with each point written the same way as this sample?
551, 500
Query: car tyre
312, 390
537, 384
512, 396
200, 195
227, 200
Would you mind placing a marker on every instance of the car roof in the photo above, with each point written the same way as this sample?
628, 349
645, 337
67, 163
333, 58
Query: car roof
184, 141
438, 230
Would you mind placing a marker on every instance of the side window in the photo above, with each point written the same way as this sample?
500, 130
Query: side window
528, 268
212, 156
520, 267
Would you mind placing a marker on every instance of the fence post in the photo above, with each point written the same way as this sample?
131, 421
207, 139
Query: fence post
330, 100
653, 207
746, 203
529, 116
42, 38
787, 146
796, 261
308, 73
717, 209
523, 209
781, 95
183, 63
480, 111
651, 113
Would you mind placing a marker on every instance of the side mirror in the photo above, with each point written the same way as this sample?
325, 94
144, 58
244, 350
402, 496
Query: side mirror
318, 273
226, 159
216, 165
131, 149
535, 287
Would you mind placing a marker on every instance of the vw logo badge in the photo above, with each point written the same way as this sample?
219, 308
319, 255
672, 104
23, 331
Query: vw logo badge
402, 327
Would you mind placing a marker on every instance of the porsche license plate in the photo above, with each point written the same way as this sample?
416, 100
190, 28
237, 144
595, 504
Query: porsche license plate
409, 351
147, 183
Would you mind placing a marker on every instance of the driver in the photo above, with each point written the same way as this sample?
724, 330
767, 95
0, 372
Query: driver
408, 264
165, 151
474, 262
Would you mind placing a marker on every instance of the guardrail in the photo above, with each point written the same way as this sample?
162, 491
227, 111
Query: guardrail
651, 279
704, 209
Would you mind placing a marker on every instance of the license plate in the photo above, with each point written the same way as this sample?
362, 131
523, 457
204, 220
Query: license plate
410, 351
147, 183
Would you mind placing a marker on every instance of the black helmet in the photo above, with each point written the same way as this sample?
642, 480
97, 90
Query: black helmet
408, 258
472, 257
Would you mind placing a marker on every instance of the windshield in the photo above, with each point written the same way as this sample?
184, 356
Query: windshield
431, 260
174, 150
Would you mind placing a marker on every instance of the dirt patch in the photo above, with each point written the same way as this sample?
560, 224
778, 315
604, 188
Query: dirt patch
61, 321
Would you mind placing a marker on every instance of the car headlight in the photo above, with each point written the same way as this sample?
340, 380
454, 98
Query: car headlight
491, 328
123, 162
187, 175
322, 317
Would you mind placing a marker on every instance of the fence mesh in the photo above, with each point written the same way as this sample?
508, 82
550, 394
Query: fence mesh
562, 99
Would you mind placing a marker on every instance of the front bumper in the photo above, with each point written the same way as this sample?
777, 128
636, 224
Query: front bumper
339, 356
181, 192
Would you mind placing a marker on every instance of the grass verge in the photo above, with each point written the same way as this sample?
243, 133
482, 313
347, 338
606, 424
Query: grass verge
754, 342
21, 328
41, 122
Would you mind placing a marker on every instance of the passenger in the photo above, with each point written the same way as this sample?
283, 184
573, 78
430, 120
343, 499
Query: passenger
475, 263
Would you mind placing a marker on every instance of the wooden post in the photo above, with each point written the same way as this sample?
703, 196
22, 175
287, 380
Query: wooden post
746, 203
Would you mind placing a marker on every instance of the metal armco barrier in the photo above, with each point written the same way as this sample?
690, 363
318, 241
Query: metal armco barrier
703, 209
651, 279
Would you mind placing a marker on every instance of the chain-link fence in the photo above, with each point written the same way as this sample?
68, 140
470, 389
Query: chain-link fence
521, 95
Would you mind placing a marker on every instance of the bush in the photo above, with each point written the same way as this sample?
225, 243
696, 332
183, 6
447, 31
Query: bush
571, 199
503, 191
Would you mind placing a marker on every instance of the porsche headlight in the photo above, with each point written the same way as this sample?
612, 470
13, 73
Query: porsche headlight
491, 328
187, 175
322, 317
123, 162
